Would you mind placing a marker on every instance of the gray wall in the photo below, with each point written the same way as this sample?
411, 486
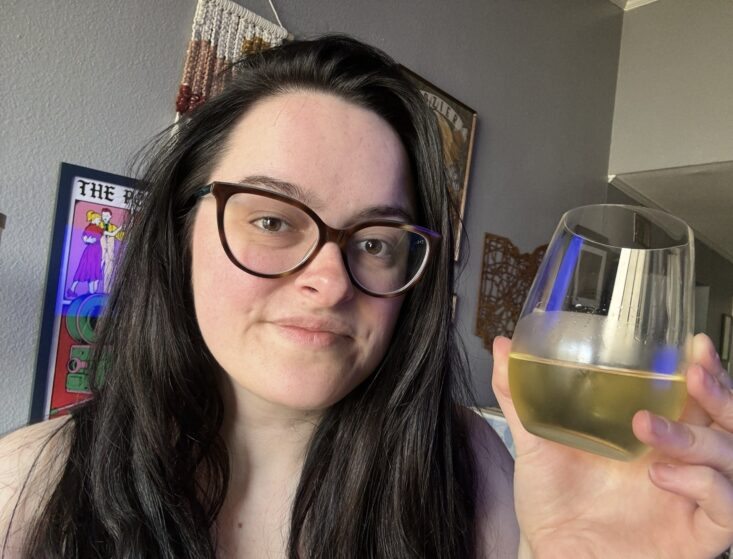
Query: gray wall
92, 81
674, 105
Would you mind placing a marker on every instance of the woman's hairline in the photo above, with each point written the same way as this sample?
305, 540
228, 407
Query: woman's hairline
294, 88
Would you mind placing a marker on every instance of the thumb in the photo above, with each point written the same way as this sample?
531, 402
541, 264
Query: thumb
523, 440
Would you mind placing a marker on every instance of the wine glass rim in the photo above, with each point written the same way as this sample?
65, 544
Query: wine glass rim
641, 210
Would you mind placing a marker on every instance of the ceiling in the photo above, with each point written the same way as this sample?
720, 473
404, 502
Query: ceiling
627, 5
702, 195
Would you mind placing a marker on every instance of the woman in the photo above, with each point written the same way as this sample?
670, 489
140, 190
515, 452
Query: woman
281, 374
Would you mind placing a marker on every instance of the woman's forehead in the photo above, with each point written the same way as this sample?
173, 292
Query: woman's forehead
341, 153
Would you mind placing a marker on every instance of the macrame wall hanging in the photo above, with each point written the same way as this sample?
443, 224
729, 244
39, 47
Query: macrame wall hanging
506, 276
223, 32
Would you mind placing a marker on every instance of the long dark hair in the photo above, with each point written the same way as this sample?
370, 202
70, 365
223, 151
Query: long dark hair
388, 472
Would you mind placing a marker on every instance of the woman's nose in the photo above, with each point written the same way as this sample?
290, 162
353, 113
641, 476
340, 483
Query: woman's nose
325, 278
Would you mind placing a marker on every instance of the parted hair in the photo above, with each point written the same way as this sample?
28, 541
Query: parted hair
388, 471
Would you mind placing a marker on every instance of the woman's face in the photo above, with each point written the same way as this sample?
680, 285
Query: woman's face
304, 341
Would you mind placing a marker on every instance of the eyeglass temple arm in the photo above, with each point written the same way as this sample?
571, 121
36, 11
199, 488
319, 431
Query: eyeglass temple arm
201, 192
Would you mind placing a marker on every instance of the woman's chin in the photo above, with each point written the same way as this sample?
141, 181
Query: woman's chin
307, 399
301, 396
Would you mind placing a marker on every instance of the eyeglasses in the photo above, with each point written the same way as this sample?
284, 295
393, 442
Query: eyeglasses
271, 235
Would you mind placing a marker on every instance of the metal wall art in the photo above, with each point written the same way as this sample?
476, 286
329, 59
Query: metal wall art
506, 276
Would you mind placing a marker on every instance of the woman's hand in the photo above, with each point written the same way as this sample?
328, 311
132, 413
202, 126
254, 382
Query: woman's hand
675, 502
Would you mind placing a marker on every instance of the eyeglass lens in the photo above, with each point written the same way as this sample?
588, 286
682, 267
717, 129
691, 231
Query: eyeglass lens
269, 236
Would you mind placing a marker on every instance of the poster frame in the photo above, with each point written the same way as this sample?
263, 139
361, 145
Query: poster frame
62, 229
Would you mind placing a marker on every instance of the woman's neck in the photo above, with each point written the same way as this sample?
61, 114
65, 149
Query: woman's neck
267, 446
264, 440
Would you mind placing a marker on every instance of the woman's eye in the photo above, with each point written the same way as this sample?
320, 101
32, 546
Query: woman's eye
375, 247
272, 224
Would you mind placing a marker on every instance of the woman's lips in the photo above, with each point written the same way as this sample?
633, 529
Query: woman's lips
309, 337
313, 333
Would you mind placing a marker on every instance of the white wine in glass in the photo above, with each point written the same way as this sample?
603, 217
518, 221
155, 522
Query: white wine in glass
606, 329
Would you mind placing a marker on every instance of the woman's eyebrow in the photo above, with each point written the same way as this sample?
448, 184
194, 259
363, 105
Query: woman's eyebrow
382, 212
313, 201
284, 187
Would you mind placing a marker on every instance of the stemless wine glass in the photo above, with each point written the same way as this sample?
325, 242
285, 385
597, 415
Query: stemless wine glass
606, 329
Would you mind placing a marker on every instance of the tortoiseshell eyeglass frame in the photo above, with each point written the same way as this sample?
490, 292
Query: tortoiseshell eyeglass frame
222, 191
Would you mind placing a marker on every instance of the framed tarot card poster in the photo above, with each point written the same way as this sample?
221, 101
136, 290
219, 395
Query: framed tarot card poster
457, 125
88, 237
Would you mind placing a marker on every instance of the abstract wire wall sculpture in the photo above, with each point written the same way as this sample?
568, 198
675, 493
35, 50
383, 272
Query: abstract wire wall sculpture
506, 276
223, 32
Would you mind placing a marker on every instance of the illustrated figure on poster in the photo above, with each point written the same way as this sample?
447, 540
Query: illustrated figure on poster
110, 234
89, 269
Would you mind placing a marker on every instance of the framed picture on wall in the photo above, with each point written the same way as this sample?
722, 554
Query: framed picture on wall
88, 237
457, 124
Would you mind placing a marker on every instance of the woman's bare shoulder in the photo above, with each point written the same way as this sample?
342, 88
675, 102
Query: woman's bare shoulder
21, 449
31, 459
497, 530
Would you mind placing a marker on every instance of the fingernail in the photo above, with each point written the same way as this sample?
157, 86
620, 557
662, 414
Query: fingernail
660, 426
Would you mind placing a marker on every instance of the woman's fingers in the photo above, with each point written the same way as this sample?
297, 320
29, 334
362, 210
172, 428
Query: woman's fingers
712, 492
704, 355
500, 384
703, 445
711, 395
500, 379
690, 444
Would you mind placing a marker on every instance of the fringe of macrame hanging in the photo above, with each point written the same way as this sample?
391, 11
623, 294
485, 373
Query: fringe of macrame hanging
223, 32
